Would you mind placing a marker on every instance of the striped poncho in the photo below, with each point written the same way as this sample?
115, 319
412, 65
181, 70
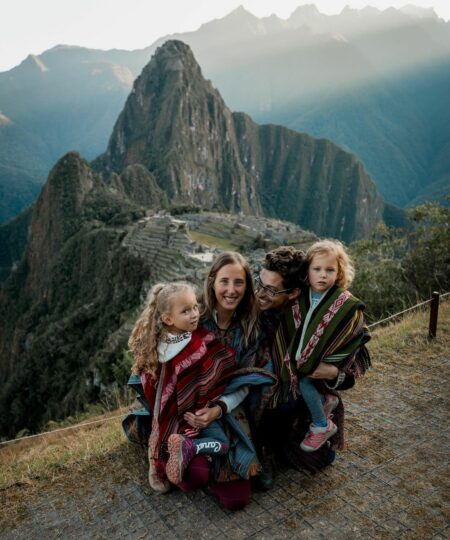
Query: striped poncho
335, 333
195, 376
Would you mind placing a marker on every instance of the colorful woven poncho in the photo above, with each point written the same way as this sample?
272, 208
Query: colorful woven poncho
336, 333
197, 375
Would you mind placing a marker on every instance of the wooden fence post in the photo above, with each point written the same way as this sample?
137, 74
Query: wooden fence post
434, 310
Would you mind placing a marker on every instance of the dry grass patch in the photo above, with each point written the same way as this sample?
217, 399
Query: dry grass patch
403, 350
213, 241
62, 461
43, 458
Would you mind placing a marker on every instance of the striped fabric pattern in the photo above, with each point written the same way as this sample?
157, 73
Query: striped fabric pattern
197, 375
335, 333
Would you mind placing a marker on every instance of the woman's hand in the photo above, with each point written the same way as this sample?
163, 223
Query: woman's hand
325, 371
203, 417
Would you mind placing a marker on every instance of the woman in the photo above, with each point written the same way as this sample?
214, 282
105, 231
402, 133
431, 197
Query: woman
230, 312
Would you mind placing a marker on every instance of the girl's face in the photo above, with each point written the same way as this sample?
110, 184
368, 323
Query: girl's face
229, 287
322, 272
183, 315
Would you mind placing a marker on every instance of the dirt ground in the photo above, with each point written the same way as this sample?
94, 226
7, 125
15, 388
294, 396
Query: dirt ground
390, 482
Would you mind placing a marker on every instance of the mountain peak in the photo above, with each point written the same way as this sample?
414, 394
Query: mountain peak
170, 124
418, 12
308, 9
33, 62
173, 55
171, 78
305, 15
240, 11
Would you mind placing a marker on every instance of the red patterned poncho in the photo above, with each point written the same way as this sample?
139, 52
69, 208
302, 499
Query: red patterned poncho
195, 376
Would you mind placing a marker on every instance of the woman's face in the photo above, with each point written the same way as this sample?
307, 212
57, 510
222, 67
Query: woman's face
229, 287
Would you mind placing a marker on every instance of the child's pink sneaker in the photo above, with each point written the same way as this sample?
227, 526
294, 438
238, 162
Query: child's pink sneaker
331, 402
318, 436
181, 451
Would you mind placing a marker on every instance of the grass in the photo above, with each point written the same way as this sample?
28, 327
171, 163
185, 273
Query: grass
406, 340
41, 459
60, 460
213, 241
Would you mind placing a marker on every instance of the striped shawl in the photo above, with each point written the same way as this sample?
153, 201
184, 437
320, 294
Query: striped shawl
336, 334
197, 375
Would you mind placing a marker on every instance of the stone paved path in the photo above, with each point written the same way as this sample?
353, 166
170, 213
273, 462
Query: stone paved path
391, 482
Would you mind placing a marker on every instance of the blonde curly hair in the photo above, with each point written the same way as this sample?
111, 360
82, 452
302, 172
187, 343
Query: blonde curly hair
346, 271
149, 328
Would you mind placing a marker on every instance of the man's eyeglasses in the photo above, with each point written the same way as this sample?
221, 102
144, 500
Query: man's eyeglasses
270, 291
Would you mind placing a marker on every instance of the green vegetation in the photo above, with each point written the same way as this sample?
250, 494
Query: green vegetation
397, 268
213, 241
30, 467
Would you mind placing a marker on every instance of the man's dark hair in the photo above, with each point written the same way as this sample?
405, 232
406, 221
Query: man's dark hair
289, 263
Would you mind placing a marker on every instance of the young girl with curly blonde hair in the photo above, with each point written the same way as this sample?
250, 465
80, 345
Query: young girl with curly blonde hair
182, 367
330, 329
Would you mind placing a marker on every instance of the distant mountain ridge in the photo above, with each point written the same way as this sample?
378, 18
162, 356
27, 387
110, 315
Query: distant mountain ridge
375, 82
83, 259
177, 125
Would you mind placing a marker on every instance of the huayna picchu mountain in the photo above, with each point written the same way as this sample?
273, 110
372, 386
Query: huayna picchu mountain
83, 260
176, 125
92, 254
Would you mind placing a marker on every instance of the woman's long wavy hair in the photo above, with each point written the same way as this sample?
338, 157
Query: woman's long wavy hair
247, 310
148, 330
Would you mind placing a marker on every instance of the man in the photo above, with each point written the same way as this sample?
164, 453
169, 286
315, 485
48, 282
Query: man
278, 286
279, 283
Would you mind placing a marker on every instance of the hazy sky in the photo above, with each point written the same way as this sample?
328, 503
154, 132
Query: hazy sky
33, 26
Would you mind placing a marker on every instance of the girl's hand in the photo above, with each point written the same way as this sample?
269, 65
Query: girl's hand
191, 433
203, 417
325, 371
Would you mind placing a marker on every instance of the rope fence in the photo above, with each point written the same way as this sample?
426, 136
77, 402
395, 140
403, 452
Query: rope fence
77, 426
434, 300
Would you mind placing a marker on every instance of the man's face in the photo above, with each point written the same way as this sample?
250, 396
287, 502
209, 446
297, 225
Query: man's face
268, 291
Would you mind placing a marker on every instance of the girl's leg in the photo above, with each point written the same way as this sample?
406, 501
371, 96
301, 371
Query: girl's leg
183, 449
322, 428
313, 399
212, 440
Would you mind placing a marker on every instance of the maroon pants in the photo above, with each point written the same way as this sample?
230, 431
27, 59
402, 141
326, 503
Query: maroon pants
232, 495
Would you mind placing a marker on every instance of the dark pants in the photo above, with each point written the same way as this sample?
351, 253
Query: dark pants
278, 425
282, 429
233, 495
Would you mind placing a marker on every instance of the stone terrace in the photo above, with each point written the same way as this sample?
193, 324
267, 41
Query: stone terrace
391, 481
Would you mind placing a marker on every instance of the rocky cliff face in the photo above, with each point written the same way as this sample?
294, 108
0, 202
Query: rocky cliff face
69, 305
308, 181
177, 126
95, 245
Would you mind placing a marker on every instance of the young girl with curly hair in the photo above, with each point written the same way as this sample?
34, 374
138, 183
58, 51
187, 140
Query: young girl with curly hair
182, 367
331, 329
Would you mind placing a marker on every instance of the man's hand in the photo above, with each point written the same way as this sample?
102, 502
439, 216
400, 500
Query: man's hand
203, 417
325, 371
